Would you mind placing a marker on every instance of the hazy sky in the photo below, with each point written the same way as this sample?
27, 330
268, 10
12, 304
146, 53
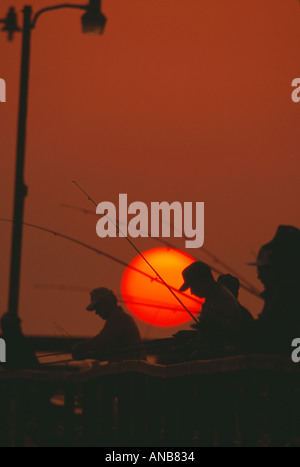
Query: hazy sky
185, 101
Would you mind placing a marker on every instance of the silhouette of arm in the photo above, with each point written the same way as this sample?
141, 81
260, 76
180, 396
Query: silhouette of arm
108, 337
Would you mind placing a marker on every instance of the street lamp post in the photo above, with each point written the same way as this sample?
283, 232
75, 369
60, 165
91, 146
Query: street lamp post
93, 21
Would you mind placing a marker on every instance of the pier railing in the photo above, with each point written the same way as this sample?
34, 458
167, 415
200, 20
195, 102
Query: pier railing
246, 400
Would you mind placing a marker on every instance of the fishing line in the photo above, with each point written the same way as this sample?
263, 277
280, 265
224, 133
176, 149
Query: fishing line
133, 300
100, 252
139, 252
244, 283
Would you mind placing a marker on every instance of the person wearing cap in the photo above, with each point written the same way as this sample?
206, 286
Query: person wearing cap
220, 318
119, 339
232, 283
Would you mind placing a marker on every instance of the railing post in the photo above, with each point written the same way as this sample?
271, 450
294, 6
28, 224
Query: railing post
154, 411
90, 413
5, 411
21, 391
69, 414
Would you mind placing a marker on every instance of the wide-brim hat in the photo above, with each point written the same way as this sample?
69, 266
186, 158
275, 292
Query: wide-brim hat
283, 251
264, 257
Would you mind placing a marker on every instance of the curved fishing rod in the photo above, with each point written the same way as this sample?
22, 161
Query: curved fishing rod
134, 301
150, 347
159, 306
64, 332
100, 252
57, 362
62, 352
244, 283
140, 253
77, 208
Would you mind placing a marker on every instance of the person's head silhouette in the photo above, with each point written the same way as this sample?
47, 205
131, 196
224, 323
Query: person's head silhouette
103, 302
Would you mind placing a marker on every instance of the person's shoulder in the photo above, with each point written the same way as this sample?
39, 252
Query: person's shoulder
225, 293
227, 298
120, 314
119, 311
128, 320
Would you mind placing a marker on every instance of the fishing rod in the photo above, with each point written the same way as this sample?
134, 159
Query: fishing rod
104, 354
100, 252
66, 339
62, 330
133, 301
77, 208
140, 253
54, 354
116, 352
73, 288
244, 283
57, 362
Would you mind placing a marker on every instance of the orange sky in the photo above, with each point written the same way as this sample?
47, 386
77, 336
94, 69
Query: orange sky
186, 101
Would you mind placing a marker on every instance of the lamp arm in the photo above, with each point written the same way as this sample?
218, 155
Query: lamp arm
56, 7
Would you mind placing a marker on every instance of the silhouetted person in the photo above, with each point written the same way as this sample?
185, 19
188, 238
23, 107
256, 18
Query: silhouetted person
278, 269
19, 354
119, 339
233, 285
220, 319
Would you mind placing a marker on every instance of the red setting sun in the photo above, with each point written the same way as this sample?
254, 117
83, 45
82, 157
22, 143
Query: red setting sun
148, 298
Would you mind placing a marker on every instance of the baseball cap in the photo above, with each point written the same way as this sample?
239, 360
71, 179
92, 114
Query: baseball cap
195, 272
99, 294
